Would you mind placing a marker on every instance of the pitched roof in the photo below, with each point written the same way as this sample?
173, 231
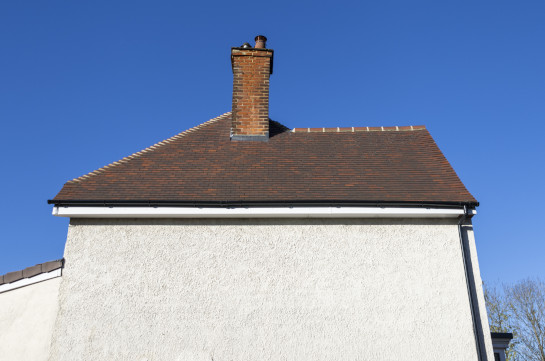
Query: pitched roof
202, 164
30, 272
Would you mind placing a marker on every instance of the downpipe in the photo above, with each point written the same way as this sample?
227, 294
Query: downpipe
465, 255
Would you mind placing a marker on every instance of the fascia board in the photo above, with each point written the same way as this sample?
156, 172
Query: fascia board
29, 281
257, 212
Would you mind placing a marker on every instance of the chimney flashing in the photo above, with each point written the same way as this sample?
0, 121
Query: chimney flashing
258, 138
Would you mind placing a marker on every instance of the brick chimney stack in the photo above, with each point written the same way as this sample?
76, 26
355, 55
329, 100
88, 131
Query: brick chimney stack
251, 70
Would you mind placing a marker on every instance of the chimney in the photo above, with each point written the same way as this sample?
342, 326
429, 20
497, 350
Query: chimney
251, 70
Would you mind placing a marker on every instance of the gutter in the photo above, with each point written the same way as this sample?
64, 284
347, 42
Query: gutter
280, 203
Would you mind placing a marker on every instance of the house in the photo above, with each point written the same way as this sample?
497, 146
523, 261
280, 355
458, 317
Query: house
242, 239
28, 310
500, 343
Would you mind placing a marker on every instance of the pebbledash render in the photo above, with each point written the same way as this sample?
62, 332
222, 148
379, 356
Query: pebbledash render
242, 239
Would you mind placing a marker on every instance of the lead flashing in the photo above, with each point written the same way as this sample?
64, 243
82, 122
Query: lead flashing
254, 138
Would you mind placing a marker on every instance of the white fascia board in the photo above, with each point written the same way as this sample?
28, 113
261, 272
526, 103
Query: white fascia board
28, 281
257, 212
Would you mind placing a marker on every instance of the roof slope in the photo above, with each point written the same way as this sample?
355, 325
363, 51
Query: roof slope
30, 272
314, 165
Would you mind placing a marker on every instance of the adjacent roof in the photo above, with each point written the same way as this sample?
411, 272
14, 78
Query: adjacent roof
31, 271
317, 165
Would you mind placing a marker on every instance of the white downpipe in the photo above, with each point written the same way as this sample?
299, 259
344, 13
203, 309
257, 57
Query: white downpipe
257, 212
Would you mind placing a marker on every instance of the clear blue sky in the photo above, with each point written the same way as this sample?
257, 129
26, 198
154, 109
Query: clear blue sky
83, 84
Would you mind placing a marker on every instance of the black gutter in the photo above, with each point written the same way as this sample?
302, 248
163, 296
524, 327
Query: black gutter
501, 335
471, 288
242, 204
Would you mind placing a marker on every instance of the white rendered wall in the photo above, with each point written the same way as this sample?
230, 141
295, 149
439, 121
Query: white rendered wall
478, 290
27, 317
261, 289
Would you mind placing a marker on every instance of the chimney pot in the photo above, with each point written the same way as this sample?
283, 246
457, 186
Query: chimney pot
260, 42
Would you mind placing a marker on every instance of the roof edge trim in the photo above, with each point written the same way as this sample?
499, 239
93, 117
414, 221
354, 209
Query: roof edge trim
148, 149
256, 212
281, 203
30, 281
394, 128
501, 335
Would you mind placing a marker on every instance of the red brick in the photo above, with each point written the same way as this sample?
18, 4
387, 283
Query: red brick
251, 71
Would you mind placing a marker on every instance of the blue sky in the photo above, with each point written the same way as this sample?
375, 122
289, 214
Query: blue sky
83, 84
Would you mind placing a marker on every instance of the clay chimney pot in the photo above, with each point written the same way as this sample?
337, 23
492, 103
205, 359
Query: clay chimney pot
260, 42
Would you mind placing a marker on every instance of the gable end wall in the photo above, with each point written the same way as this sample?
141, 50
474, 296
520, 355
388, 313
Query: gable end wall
249, 289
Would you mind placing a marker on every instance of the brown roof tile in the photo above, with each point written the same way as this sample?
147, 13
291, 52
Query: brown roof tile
367, 164
52, 265
31, 271
13, 276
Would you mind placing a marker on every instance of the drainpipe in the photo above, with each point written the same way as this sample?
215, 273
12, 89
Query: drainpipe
465, 255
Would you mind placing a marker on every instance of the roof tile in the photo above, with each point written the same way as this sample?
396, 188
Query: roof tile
52, 265
13, 276
372, 164
31, 271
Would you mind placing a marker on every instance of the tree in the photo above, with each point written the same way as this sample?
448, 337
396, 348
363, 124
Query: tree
520, 309
501, 319
526, 304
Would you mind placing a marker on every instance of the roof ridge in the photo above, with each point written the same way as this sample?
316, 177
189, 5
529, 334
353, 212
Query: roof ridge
148, 149
359, 129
